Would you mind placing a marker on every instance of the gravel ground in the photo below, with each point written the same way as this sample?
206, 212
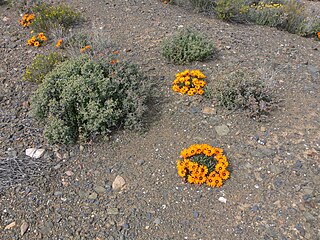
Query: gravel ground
273, 192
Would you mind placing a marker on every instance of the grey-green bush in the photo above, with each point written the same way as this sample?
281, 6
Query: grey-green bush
239, 90
187, 46
83, 98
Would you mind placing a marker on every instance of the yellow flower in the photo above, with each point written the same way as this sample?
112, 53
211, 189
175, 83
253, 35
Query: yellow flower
224, 174
36, 44
198, 148
182, 172
203, 170
184, 153
182, 80
210, 182
218, 181
220, 167
184, 90
187, 83
200, 92
202, 179
176, 81
176, 88
40, 35
190, 93
218, 151
208, 151
43, 38
59, 43
191, 179
202, 83
193, 167
192, 151
195, 81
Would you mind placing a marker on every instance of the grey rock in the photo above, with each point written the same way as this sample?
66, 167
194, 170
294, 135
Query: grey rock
222, 130
93, 196
140, 162
57, 193
309, 217
263, 152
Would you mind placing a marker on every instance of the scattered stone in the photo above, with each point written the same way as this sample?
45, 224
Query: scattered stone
309, 217
222, 199
263, 129
81, 148
112, 211
24, 227
209, 110
57, 193
69, 173
307, 190
228, 47
222, 130
56, 167
310, 153
100, 189
35, 153
9, 226
196, 214
93, 196
140, 162
157, 221
118, 183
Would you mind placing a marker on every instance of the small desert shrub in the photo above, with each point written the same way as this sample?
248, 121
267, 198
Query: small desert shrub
187, 46
51, 16
240, 91
201, 5
41, 66
100, 46
230, 10
83, 97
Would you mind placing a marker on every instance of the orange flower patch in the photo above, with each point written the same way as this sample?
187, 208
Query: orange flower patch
38, 40
189, 82
203, 164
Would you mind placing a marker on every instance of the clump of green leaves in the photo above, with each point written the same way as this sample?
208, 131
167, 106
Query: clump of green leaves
41, 66
187, 46
230, 10
53, 16
201, 5
82, 98
239, 90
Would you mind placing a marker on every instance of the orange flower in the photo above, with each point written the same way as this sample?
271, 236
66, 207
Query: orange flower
190, 93
87, 47
176, 88
318, 35
184, 153
192, 151
40, 35
36, 44
200, 92
59, 43
210, 182
114, 61
43, 38
116, 52
182, 172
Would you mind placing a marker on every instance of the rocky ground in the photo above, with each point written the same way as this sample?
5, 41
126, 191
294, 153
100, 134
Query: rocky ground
71, 193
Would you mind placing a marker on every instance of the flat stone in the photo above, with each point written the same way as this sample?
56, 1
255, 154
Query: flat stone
209, 110
24, 228
157, 221
222, 199
222, 130
99, 189
35, 153
112, 211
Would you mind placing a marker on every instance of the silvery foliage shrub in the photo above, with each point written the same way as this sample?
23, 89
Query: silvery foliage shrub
82, 98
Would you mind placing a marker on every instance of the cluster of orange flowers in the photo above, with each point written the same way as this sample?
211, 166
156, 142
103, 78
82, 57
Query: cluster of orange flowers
189, 82
26, 19
211, 171
85, 48
37, 40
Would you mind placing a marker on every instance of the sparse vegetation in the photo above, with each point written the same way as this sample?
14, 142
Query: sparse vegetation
240, 90
41, 66
49, 16
187, 46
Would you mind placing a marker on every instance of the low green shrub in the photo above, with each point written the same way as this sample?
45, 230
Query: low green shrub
53, 16
41, 66
82, 97
187, 46
240, 90
202, 5
230, 10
